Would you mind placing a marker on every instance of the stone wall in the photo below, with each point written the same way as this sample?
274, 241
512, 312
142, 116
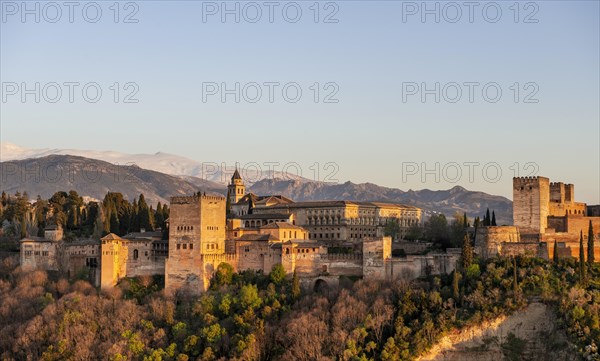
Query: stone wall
530, 249
38, 255
489, 240
412, 247
413, 267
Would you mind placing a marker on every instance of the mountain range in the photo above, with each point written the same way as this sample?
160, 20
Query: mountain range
161, 162
161, 175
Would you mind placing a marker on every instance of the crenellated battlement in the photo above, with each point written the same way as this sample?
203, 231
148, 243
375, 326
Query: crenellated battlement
528, 179
195, 198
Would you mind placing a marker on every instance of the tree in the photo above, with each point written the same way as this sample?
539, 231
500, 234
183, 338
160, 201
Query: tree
457, 229
465, 222
493, 218
228, 203
555, 253
486, 218
4, 199
249, 297
591, 257
436, 230
392, 228
455, 286
144, 214
515, 280
390, 351
223, 275
159, 220
23, 226
295, 286
582, 268
277, 274
415, 232
467, 252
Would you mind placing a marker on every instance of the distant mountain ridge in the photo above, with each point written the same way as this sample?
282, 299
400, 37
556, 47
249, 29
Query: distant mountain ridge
456, 199
94, 178
159, 162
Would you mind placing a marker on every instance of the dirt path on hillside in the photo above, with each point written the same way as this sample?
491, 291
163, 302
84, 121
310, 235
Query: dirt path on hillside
529, 334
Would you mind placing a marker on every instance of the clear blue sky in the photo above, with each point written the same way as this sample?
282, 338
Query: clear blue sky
368, 53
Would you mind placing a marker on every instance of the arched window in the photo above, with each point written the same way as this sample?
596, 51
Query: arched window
135, 254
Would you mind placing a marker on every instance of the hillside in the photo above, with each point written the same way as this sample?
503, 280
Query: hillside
94, 178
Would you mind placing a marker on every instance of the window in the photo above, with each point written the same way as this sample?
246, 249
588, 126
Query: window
178, 246
185, 246
135, 254
191, 246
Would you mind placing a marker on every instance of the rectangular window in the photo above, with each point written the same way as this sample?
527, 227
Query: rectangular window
178, 246
185, 246
191, 246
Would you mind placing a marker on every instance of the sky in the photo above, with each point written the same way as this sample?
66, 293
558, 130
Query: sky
403, 94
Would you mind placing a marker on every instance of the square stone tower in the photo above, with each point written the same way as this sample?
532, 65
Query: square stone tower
531, 198
196, 228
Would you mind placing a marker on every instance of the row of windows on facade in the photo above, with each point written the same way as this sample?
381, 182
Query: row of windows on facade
333, 235
191, 228
209, 246
185, 228
36, 253
93, 251
366, 221
287, 250
249, 224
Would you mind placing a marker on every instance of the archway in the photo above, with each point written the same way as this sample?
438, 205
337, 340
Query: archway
321, 286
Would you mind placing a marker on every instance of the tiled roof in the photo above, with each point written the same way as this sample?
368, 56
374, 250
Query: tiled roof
277, 225
111, 237
257, 237
265, 216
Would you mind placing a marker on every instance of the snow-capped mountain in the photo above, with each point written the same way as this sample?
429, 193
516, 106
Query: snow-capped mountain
161, 162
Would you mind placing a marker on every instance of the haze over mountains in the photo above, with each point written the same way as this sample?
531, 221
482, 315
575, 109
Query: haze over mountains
161, 175
160, 162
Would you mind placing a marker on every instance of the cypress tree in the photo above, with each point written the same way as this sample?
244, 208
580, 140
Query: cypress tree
227, 204
486, 220
555, 253
467, 252
591, 257
295, 286
114, 221
515, 281
465, 223
582, 268
23, 227
493, 218
144, 214
455, 289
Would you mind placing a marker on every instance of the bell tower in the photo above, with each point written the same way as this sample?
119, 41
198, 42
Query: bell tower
236, 188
